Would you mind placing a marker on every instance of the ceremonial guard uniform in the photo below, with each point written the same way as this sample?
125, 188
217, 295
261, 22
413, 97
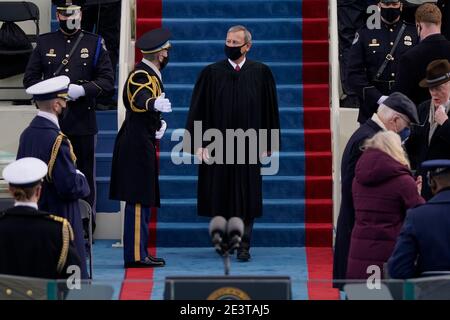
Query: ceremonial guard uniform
134, 173
83, 58
43, 139
33, 243
373, 59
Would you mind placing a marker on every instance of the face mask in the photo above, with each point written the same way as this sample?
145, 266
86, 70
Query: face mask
70, 26
390, 14
164, 63
404, 134
233, 53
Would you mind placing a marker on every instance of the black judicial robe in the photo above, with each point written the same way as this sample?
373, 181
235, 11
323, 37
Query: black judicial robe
224, 98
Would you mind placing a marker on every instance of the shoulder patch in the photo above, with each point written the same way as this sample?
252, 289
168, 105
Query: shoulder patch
355, 40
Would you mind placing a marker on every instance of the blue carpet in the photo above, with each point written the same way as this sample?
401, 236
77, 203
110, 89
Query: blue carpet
108, 266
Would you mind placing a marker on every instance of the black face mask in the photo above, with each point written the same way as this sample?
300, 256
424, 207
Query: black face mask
390, 14
233, 53
68, 26
164, 63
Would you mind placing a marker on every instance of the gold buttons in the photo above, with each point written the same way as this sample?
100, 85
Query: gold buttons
68, 41
391, 30
392, 43
67, 55
393, 74
67, 70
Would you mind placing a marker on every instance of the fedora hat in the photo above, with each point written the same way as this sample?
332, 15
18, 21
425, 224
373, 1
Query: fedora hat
438, 72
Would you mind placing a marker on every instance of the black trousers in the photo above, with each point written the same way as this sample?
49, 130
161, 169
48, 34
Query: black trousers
248, 229
84, 149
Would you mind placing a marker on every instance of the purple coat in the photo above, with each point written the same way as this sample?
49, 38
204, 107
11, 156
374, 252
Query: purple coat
383, 189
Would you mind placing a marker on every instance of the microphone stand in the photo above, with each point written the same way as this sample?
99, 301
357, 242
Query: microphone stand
226, 263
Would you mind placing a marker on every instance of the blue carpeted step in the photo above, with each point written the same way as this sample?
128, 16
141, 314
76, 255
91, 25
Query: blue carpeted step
104, 204
216, 28
227, 8
264, 235
212, 50
182, 187
288, 95
107, 120
176, 187
290, 163
274, 210
291, 118
179, 73
291, 140
105, 141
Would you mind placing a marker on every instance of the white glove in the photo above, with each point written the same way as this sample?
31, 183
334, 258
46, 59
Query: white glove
162, 104
382, 98
159, 134
79, 172
76, 91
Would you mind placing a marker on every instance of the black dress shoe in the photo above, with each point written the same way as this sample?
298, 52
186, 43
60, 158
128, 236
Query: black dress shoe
155, 259
147, 263
243, 255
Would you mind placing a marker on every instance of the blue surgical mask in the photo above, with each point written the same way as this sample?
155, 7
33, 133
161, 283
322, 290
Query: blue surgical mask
404, 134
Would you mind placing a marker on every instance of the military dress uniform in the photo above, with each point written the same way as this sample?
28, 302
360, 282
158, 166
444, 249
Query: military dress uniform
34, 243
423, 246
369, 50
64, 184
134, 172
88, 66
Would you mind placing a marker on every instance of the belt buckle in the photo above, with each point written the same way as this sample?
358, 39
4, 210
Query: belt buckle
65, 61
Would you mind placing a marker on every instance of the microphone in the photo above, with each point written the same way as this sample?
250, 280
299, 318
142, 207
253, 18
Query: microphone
235, 231
217, 228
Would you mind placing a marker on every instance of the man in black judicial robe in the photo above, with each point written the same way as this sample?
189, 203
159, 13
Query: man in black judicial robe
235, 93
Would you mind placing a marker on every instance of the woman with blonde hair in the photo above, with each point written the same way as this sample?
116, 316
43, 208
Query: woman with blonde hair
383, 190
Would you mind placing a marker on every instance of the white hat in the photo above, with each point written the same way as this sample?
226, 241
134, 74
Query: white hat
49, 89
25, 172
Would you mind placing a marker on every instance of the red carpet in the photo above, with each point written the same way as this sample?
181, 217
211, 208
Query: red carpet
318, 195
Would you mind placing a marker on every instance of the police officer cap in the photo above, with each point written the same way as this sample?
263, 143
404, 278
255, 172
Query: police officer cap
154, 41
436, 167
68, 7
402, 104
49, 89
25, 172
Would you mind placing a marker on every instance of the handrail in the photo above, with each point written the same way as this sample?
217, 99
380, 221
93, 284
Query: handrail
334, 103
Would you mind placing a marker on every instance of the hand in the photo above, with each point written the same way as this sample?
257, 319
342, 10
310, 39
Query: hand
419, 184
76, 91
440, 115
202, 154
159, 134
382, 98
162, 104
79, 172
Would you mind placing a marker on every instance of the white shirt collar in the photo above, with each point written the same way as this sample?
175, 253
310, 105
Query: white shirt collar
378, 121
26, 204
154, 68
49, 116
234, 64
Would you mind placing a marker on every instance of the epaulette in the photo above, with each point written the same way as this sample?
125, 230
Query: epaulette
55, 149
67, 236
152, 85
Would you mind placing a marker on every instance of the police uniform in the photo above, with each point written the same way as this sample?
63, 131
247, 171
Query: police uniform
423, 246
369, 50
64, 184
134, 173
33, 243
89, 66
